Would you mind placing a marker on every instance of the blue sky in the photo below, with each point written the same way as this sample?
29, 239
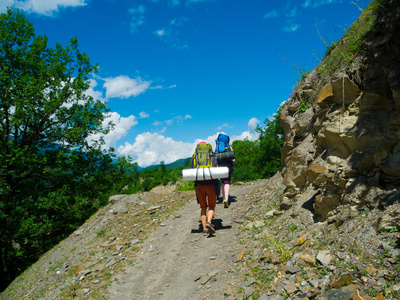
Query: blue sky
176, 72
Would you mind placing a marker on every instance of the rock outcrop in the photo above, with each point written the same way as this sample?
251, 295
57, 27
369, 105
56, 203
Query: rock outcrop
342, 122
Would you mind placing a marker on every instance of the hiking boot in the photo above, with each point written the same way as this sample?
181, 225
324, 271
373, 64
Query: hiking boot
210, 228
206, 232
225, 202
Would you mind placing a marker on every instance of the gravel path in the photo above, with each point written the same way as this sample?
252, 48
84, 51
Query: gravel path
178, 262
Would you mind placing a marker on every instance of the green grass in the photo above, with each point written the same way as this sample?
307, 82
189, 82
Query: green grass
342, 53
185, 186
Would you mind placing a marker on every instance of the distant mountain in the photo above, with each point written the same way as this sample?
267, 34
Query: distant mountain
178, 163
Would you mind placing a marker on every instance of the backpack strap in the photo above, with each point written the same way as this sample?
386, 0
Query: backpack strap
204, 174
210, 173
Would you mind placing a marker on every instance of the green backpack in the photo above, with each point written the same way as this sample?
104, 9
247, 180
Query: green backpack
202, 156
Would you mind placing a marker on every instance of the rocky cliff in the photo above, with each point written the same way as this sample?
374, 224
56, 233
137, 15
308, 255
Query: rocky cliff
342, 124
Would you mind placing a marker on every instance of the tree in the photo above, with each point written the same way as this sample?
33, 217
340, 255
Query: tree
51, 177
270, 142
260, 158
245, 168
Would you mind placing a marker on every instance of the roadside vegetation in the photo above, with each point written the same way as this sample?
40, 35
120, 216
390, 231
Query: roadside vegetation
52, 179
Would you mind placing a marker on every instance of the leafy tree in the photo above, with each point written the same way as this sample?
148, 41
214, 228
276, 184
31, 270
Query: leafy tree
245, 168
51, 178
163, 167
270, 142
260, 158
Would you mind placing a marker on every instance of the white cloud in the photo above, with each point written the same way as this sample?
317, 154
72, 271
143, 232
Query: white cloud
292, 13
291, 27
152, 148
170, 35
97, 95
44, 7
121, 127
223, 126
178, 21
4, 4
138, 18
250, 135
143, 115
157, 87
271, 14
125, 87
161, 87
317, 3
178, 119
290, 23
253, 123
162, 32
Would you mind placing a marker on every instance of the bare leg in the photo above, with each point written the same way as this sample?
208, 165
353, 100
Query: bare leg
210, 214
203, 217
225, 194
227, 188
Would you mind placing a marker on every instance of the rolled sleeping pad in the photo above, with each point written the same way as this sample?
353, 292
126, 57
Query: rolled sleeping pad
224, 156
205, 173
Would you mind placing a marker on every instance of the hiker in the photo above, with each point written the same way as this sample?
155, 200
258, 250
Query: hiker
206, 191
226, 182
223, 146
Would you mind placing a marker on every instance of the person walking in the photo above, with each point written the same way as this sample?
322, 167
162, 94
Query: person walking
222, 145
226, 182
207, 197
206, 190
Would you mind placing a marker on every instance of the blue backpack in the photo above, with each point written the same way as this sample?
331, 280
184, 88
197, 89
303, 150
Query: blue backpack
222, 142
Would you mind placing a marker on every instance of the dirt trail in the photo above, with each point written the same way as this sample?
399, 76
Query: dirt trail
177, 258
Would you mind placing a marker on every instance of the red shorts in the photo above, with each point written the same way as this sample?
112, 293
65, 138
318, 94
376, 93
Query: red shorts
207, 195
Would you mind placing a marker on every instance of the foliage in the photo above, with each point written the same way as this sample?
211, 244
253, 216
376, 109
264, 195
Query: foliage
149, 178
51, 178
260, 158
342, 53
270, 143
186, 186
245, 168
282, 252
304, 74
304, 104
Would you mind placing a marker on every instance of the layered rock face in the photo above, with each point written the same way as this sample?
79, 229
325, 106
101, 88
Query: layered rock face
342, 131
